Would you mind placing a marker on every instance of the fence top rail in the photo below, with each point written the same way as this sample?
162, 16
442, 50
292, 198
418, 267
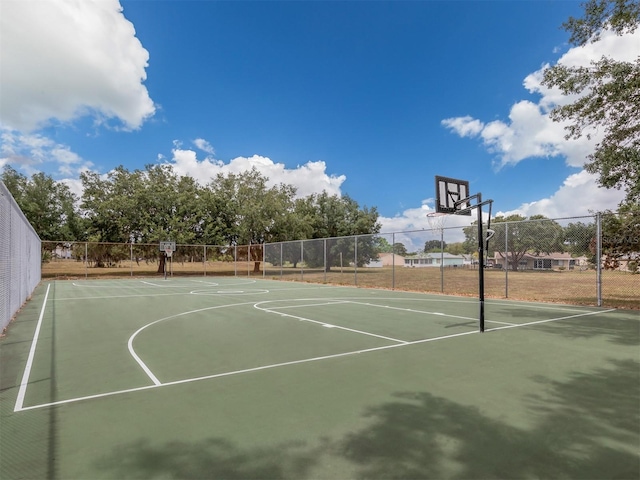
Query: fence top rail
380, 234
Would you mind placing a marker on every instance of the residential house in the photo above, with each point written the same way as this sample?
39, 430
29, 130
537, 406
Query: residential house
386, 260
543, 261
434, 260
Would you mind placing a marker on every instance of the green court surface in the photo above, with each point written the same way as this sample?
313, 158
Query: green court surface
233, 378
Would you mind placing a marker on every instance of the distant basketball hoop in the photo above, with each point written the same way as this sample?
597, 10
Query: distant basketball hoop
168, 247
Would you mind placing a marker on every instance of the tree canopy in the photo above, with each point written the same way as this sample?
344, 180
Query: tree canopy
608, 96
516, 236
146, 206
47, 204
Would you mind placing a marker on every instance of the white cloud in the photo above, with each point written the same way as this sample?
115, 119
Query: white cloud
529, 132
64, 59
27, 152
308, 178
203, 145
579, 195
466, 126
412, 227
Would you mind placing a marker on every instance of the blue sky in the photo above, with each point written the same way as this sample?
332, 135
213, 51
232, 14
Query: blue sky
369, 99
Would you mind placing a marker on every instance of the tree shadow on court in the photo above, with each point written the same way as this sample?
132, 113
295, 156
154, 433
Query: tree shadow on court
619, 328
211, 458
619, 331
584, 428
579, 432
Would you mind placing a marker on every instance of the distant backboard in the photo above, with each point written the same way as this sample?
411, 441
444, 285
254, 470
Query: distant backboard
449, 193
167, 245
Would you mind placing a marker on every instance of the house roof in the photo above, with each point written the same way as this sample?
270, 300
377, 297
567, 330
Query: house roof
389, 254
542, 256
435, 255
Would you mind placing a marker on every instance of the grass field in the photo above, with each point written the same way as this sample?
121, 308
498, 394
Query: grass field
619, 289
244, 378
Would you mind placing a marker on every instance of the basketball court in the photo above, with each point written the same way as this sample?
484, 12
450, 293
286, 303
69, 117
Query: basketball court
240, 378
237, 378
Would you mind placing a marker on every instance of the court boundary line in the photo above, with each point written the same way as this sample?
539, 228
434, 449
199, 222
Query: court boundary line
246, 370
22, 391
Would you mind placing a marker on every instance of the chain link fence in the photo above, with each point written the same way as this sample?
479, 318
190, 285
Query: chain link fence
538, 260
20, 261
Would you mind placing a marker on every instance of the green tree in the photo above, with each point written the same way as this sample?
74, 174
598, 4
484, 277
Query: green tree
434, 246
143, 207
608, 96
621, 237
253, 213
399, 249
579, 239
333, 217
457, 248
519, 236
49, 206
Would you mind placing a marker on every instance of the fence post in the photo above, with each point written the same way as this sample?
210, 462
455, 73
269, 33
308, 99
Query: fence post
393, 261
324, 258
599, 259
204, 260
355, 262
301, 260
131, 257
86, 259
506, 260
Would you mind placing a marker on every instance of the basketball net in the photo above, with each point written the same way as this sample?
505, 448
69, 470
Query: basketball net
436, 221
168, 252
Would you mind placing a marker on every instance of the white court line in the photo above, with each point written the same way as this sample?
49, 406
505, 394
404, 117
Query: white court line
143, 365
246, 370
537, 322
474, 319
415, 311
265, 367
32, 352
325, 324
331, 302
101, 297
501, 323
533, 305
216, 284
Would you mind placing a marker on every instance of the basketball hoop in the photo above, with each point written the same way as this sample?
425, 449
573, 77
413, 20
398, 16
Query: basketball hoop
168, 252
436, 221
